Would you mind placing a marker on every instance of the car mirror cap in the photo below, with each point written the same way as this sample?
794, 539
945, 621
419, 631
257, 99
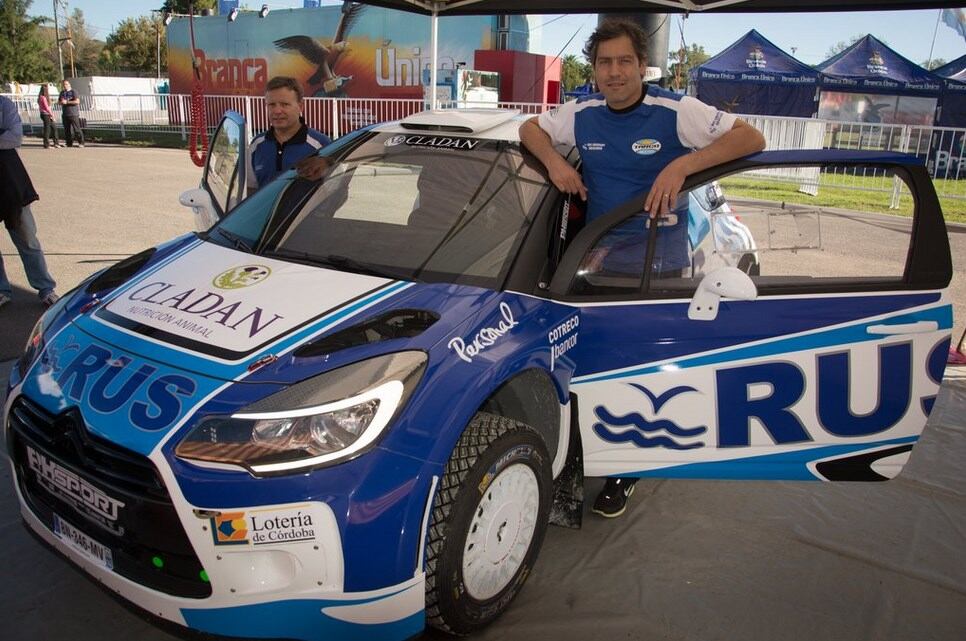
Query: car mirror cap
201, 205
724, 282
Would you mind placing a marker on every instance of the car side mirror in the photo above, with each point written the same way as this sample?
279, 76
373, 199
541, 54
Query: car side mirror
201, 205
714, 195
727, 282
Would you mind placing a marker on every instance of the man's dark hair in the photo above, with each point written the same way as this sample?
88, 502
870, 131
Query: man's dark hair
615, 28
285, 82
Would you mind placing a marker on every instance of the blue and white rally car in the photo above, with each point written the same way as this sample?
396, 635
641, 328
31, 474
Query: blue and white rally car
352, 406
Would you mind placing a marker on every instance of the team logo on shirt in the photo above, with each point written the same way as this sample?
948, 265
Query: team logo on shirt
646, 147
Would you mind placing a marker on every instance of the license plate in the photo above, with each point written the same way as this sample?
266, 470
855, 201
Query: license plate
89, 548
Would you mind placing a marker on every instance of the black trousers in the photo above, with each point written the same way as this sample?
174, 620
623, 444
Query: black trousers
50, 129
72, 130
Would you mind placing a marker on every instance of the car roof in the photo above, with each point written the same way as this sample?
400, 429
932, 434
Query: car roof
492, 124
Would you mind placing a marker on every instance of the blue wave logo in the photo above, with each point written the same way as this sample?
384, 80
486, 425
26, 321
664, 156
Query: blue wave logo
644, 427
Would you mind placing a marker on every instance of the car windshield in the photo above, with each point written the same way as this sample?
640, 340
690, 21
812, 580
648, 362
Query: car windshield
417, 206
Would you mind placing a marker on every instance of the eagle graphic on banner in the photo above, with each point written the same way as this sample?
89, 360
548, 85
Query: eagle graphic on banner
326, 56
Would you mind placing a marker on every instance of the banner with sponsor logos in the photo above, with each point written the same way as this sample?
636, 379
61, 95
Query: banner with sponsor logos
877, 108
356, 51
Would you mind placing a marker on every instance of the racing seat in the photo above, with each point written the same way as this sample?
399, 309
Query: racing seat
441, 199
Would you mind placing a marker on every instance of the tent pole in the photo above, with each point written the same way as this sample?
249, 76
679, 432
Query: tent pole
934, 33
433, 29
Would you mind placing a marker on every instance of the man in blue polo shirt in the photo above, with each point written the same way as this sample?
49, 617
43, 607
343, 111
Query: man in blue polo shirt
634, 140
287, 141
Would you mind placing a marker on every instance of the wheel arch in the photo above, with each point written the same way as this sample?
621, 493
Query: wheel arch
532, 397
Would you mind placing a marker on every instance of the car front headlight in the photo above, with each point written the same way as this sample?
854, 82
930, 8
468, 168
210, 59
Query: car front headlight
320, 421
35, 343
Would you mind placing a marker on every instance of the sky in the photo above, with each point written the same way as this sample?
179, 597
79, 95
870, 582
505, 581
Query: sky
806, 36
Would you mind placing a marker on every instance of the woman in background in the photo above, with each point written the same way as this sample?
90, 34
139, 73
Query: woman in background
47, 115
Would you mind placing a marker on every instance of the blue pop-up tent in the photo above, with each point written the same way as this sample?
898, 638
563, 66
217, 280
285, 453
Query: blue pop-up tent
952, 105
870, 66
955, 70
869, 82
753, 76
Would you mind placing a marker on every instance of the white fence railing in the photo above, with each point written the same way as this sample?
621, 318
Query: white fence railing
943, 149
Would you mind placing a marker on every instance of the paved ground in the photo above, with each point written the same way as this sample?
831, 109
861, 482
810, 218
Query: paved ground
690, 560
97, 205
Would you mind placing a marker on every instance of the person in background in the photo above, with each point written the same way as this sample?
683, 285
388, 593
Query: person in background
16, 194
609, 129
47, 115
70, 113
288, 139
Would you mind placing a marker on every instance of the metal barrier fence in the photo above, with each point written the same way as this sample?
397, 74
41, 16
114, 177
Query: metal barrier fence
943, 149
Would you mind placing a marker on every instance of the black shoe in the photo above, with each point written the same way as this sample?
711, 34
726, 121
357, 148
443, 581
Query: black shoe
612, 500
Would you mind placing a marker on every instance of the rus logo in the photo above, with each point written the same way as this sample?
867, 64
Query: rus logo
778, 412
109, 383
737, 406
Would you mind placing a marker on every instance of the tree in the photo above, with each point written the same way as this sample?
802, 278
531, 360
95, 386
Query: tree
22, 46
574, 72
682, 62
77, 42
932, 63
133, 45
842, 45
86, 48
110, 60
181, 6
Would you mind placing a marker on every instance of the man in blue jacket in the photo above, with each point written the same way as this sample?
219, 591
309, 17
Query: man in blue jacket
634, 140
288, 139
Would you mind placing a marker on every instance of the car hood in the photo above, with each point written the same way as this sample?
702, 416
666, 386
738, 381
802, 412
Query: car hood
223, 313
196, 331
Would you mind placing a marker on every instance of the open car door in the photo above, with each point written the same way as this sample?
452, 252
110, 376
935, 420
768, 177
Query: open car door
823, 362
223, 182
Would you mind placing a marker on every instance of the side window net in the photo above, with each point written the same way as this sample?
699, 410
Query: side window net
614, 265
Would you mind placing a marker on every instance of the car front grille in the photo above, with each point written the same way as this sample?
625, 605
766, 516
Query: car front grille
65, 437
118, 498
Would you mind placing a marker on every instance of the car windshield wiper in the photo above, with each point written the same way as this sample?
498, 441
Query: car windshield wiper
342, 263
238, 242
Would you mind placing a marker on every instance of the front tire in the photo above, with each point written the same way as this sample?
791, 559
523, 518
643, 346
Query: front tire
489, 518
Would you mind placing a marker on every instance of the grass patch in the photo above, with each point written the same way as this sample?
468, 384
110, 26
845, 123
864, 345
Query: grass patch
857, 193
135, 137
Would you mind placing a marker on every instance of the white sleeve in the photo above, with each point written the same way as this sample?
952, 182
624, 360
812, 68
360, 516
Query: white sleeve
699, 124
558, 123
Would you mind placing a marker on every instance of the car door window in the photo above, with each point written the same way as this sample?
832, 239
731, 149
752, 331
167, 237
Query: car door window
221, 171
822, 227
614, 265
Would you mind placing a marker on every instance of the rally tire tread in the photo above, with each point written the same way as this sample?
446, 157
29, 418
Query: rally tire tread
482, 431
